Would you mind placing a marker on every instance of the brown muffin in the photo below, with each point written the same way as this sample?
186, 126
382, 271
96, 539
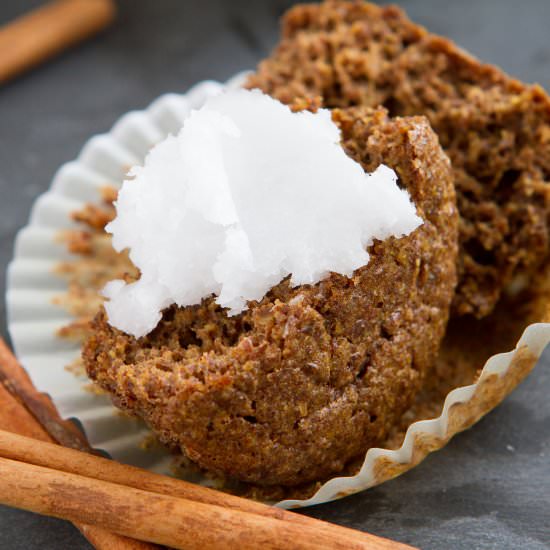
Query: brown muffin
495, 130
310, 377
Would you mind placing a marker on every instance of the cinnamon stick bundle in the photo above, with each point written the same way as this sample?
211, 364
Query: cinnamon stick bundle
37, 476
18, 397
25, 449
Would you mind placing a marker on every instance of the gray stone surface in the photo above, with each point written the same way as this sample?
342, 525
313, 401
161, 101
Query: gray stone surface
490, 487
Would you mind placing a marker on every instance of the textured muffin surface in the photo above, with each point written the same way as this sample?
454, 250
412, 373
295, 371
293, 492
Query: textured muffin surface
302, 382
495, 130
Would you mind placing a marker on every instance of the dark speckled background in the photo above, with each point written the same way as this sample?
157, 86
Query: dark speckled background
490, 487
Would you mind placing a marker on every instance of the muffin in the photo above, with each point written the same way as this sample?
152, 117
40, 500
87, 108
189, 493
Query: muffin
308, 378
495, 130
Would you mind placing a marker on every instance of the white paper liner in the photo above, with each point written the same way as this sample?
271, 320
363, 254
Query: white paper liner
33, 319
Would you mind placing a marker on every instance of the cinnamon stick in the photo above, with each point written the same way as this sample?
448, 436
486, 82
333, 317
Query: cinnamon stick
46, 31
166, 520
16, 380
24, 449
16, 417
